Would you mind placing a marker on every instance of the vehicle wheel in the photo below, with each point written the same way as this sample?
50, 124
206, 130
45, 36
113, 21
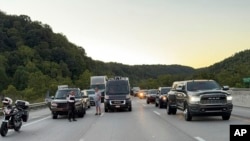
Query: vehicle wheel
4, 129
156, 104
54, 116
174, 110
130, 109
160, 105
17, 125
147, 102
106, 109
169, 110
187, 115
82, 113
226, 117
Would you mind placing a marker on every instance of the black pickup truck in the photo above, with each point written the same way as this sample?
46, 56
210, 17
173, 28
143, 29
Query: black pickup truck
200, 98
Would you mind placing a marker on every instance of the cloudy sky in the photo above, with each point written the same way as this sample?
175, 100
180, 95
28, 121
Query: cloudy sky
196, 33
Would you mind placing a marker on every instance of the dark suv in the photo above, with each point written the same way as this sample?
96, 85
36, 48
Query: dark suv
117, 95
200, 98
161, 97
59, 105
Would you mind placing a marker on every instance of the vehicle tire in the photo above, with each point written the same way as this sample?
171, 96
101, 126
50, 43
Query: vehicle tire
106, 109
156, 104
169, 110
4, 129
17, 125
160, 105
187, 114
226, 117
54, 116
174, 110
130, 109
82, 113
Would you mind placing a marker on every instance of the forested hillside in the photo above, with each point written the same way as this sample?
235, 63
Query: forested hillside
34, 60
230, 71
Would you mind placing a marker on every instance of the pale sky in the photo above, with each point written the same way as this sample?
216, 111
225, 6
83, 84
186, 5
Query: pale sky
195, 33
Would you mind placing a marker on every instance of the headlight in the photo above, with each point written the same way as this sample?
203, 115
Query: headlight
53, 104
194, 100
229, 98
164, 98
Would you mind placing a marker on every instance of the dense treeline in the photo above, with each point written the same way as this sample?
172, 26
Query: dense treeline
34, 60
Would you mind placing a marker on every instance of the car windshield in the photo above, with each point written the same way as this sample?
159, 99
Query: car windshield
91, 92
152, 91
62, 94
165, 90
99, 86
118, 89
202, 85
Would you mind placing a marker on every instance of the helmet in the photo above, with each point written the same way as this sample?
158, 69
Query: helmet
7, 101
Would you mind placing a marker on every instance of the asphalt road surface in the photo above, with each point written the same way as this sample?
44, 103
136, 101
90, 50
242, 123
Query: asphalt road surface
144, 123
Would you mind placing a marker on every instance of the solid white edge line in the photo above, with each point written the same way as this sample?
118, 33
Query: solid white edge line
28, 124
157, 113
199, 139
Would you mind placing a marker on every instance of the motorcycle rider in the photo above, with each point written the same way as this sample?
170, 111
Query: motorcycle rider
71, 106
7, 104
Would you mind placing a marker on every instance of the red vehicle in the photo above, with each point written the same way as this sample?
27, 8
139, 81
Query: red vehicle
151, 96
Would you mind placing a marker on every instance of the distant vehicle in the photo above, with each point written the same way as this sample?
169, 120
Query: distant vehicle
91, 95
99, 82
200, 98
135, 91
117, 95
161, 97
151, 96
142, 94
59, 105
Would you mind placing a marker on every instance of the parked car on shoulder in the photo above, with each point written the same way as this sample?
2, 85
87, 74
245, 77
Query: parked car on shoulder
161, 97
151, 96
200, 98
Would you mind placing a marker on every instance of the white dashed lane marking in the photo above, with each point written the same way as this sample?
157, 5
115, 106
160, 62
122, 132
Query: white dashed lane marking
157, 113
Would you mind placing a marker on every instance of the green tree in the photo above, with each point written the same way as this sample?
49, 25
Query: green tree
84, 80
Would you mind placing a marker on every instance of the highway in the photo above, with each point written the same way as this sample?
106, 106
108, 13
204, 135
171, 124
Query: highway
144, 123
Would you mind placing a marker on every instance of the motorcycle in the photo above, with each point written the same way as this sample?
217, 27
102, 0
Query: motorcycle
13, 116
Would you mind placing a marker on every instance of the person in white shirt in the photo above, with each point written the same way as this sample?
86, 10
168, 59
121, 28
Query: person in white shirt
98, 101
71, 106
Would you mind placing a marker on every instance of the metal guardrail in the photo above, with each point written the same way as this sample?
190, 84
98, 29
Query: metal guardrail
31, 106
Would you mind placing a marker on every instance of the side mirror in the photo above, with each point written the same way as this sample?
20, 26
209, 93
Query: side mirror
52, 97
179, 89
225, 88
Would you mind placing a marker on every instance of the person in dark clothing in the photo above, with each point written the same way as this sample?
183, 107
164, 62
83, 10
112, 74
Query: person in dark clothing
71, 106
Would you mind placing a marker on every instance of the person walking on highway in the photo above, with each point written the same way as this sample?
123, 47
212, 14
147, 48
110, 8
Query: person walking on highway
98, 101
71, 106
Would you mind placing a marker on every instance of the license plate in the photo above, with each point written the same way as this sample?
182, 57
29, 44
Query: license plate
117, 106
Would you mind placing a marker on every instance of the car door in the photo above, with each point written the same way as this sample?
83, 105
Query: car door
180, 96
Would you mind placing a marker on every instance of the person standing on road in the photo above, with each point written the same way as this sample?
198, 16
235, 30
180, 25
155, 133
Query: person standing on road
71, 106
98, 101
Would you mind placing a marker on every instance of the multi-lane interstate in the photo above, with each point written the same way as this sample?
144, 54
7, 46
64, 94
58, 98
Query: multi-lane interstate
144, 123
